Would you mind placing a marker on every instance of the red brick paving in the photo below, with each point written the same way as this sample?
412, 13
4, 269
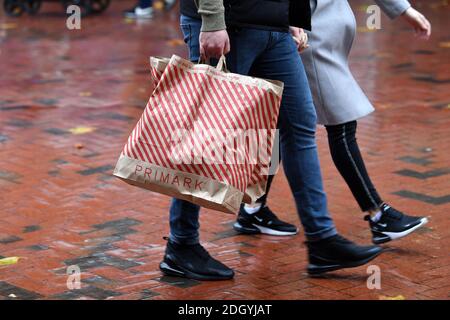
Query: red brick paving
61, 206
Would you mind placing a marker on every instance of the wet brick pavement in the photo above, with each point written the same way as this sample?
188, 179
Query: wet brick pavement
68, 100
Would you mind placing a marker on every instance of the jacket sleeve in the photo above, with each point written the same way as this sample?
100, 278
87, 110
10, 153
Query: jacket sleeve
393, 8
212, 13
300, 13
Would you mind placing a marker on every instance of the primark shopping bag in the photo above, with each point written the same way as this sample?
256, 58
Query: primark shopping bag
205, 135
257, 184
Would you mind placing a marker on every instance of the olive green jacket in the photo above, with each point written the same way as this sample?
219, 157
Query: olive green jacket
213, 14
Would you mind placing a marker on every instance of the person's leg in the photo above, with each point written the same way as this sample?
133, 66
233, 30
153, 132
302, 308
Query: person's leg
263, 200
184, 255
386, 223
259, 218
184, 222
348, 160
297, 123
184, 216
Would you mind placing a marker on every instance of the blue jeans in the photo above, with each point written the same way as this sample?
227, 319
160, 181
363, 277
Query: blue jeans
271, 55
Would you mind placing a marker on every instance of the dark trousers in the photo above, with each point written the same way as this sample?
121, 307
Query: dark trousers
350, 164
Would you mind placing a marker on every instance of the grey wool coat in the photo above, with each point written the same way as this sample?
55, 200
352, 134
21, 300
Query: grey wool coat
337, 96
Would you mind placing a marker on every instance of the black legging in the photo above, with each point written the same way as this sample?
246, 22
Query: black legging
348, 160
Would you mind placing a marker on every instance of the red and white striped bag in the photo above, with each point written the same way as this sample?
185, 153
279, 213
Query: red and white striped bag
197, 136
257, 184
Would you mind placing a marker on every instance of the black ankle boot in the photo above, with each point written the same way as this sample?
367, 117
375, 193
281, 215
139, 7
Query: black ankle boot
336, 252
194, 262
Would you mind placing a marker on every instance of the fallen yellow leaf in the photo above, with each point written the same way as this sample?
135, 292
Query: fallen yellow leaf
81, 130
363, 7
383, 105
85, 94
175, 42
399, 297
444, 44
158, 5
8, 26
8, 261
438, 5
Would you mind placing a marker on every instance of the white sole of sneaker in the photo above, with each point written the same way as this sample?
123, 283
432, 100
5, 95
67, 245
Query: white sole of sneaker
398, 235
245, 230
272, 232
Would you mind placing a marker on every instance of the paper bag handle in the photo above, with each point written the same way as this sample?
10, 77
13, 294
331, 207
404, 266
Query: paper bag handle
221, 64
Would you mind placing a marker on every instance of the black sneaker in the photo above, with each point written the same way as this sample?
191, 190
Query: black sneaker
263, 221
393, 225
193, 262
336, 253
